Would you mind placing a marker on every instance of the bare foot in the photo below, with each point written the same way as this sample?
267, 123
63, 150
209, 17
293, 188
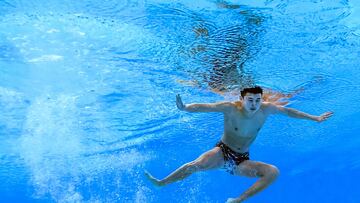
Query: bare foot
233, 200
153, 180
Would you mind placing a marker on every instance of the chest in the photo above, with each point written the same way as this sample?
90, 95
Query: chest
244, 126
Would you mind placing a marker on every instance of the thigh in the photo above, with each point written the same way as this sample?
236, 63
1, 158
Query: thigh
211, 159
250, 168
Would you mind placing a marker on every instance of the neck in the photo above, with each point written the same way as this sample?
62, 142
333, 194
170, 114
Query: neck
248, 114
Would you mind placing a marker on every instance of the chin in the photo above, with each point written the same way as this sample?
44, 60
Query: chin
254, 111
251, 111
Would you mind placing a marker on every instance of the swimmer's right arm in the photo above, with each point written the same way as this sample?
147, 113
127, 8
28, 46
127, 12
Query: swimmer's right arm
213, 107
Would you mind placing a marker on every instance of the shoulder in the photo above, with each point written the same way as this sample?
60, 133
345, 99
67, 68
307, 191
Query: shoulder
269, 108
225, 105
265, 105
237, 104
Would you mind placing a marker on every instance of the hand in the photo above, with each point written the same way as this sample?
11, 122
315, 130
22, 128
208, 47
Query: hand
179, 102
324, 116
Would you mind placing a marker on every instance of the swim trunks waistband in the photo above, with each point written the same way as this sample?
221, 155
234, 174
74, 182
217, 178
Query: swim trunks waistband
230, 155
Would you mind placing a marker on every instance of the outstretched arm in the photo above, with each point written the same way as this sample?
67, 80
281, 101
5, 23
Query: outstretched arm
298, 114
212, 107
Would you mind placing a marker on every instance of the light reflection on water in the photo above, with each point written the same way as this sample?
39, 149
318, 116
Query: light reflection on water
86, 86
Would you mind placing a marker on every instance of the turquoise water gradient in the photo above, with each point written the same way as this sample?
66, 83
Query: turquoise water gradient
87, 97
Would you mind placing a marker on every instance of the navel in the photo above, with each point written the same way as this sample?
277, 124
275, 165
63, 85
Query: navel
236, 129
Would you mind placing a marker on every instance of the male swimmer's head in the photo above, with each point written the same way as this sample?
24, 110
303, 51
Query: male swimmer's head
251, 98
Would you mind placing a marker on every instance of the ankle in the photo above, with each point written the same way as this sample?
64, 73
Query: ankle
242, 198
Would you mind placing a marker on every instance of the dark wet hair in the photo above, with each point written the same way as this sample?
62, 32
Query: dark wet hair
254, 90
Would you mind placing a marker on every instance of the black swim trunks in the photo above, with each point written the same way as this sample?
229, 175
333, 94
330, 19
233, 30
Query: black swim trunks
232, 158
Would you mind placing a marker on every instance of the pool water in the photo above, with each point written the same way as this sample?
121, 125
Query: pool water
87, 97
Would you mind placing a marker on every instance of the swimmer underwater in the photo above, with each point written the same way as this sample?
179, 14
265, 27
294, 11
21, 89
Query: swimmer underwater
243, 120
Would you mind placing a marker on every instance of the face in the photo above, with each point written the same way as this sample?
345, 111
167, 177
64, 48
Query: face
252, 102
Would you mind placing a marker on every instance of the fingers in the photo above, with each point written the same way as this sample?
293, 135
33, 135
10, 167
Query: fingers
329, 113
325, 116
178, 98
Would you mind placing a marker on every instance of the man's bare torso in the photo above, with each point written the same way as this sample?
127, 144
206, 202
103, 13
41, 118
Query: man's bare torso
241, 130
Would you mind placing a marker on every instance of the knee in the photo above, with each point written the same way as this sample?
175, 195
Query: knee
272, 172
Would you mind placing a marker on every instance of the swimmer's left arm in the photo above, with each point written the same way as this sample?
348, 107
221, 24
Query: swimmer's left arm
275, 109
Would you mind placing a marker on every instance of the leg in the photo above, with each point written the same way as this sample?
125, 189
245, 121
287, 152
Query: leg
209, 160
267, 174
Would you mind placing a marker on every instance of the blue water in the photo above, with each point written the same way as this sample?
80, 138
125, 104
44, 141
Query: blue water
87, 97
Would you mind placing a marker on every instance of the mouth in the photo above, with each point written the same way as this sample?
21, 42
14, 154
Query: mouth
252, 109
